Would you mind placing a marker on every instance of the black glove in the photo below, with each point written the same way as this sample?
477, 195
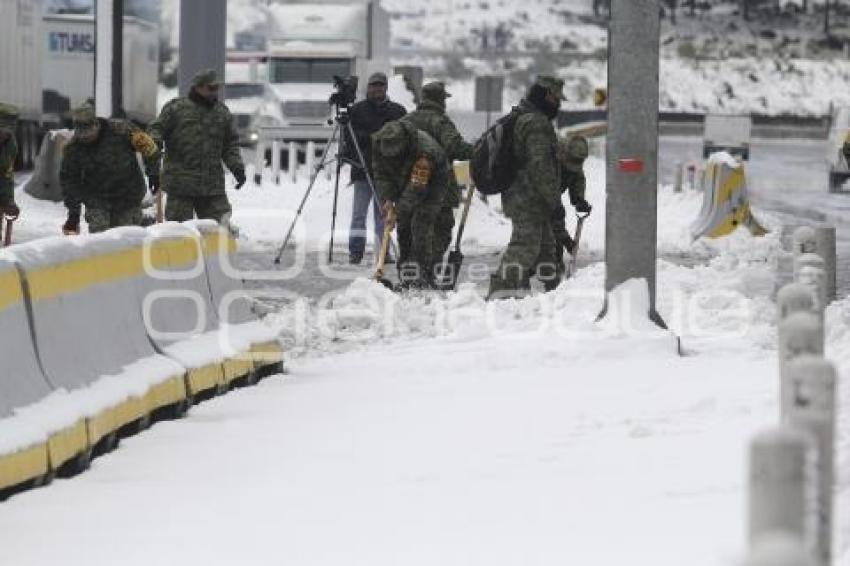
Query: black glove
11, 211
72, 224
239, 174
583, 206
153, 183
565, 240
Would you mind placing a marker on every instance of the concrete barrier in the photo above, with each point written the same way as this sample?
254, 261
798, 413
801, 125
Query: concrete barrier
726, 203
89, 332
179, 314
240, 325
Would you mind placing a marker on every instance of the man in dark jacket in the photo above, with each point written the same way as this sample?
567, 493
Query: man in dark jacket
100, 170
367, 117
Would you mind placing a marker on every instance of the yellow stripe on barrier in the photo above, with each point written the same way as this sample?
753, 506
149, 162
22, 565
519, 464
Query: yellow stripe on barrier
113, 418
67, 443
10, 289
266, 353
77, 275
205, 378
22, 466
217, 243
169, 392
237, 367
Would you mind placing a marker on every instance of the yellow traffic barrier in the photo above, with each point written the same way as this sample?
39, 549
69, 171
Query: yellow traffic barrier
726, 204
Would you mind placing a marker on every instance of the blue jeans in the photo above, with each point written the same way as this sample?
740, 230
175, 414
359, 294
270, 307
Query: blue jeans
359, 210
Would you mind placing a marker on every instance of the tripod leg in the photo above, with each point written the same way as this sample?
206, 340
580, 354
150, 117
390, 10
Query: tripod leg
313, 178
376, 202
333, 215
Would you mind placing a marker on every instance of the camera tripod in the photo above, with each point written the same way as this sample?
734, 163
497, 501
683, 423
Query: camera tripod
342, 126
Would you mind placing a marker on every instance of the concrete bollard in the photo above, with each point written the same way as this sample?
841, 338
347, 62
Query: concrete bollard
781, 475
680, 178
794, 297
800, 333
804, 241
259, 162
292, 170
276, 162
692, 173
779, 549
812, 380
310, 157
825, 248
809, 270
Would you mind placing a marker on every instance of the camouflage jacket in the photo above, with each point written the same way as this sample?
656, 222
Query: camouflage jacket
196, 137
537, 185
106, 173
575, 183
392, 174
846, 148
431, 118
8, 152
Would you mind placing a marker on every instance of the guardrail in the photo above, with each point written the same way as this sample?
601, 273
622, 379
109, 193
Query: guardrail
104, 334
293, 140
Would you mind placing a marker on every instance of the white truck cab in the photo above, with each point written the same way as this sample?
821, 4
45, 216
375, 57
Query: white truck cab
313, 42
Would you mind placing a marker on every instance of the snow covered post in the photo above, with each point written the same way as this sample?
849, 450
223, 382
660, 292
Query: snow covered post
310, 157
632, 147
794, 297
779, 549
692, 174
800, 333
825, 248
812, 380
276, 161
292, 164
804, 241
810, 270
780, 480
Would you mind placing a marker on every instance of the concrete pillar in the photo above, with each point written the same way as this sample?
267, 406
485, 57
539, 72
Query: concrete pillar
813, 381
632, 146
310, 157
801, 333
781, 475
825, 248
202, 39
779, 548
260, 161
109, 57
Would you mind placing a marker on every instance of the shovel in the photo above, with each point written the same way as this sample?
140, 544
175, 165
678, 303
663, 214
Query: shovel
7, 233
576, 242
382, 255
159, 211
455, 259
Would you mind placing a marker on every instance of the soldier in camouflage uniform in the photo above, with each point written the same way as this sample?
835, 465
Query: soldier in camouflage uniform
411, 177
197, 134
100, 169
535, 194
430, 117
8, 152
571, 153
846, 148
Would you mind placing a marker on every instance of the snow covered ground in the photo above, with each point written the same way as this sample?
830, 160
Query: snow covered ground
422, 430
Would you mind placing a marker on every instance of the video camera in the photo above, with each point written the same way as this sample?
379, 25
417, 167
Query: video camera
345, 91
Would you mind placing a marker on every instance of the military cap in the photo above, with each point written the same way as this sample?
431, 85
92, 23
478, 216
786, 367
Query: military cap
377, 79
435, 91
8, 115
206, 77
84, 117
572, 152
552, 84
391, 138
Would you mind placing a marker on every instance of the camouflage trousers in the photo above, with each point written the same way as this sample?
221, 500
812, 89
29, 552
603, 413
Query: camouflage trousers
415, 230
179, 208
443, 226
531, 250
101, 218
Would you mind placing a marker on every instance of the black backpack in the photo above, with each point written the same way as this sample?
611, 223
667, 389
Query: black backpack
492, 164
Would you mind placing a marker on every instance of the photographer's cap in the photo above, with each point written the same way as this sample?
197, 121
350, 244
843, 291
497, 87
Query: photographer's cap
377, 79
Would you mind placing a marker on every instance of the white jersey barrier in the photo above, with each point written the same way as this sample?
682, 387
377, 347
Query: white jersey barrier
179, 314
89, 332
241, 328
